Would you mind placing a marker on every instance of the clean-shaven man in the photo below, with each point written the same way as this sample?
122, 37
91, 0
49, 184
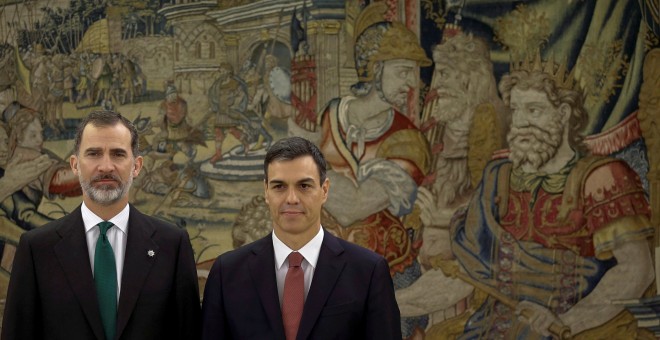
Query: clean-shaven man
299, 282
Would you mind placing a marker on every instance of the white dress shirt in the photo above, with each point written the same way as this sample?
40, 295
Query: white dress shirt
116, 235
310, 253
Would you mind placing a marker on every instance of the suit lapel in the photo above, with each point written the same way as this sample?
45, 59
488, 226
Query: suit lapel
262, 270
72, 253
136, 265
328, 268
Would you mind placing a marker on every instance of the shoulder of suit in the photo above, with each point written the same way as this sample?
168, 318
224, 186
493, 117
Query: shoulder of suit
255, 247
159, 225
356, 252
49, 232
237, 256
44, 230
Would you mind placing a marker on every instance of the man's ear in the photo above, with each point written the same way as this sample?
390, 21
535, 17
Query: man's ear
137, 166
566, 112
73, 162
266, 191
326, 189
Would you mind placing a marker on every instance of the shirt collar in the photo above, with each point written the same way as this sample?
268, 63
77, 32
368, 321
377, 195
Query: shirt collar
309, 251
90, 219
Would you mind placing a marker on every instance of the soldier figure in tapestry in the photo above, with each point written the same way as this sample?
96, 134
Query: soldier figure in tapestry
378, 157
501, 156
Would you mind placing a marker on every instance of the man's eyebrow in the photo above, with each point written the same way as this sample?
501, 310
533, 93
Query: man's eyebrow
99, 149
276, 182
93, 149
303, 180
536, 103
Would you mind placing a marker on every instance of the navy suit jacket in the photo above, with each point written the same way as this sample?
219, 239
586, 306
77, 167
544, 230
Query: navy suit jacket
52, 293
351, 296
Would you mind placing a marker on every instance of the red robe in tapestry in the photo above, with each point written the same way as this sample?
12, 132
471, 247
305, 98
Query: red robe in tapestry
403, 144
546, 238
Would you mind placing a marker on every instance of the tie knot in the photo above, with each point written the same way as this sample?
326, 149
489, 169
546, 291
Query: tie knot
295, 259
104, 226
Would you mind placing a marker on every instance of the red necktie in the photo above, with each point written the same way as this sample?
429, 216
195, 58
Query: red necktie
294, 296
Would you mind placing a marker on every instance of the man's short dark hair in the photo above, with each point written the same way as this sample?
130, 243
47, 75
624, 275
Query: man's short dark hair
104, 118
288, 149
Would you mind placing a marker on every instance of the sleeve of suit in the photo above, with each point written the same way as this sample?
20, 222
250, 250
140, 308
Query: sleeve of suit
187, 292
383, 320
213, 314
22, 317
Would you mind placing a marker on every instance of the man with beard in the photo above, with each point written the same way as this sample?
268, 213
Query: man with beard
378, 157
462, 101
560, 231
463, 89
105, 270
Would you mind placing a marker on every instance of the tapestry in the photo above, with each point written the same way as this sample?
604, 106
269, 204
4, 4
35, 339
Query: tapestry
501, 155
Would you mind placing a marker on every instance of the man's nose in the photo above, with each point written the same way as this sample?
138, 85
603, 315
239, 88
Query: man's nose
519, 119
106, 164
411, 80
292, 196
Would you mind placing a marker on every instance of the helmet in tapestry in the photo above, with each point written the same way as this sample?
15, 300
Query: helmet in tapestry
384, 41
171, 89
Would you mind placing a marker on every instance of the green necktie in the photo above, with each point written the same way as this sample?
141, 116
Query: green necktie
105, 277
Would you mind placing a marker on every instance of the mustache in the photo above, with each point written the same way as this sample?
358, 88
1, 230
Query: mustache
542, 146
103, 177
448, 92
540, 134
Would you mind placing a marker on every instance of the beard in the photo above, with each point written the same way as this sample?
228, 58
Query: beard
398, 98
541, 145
449, 109
105, 194
452, 180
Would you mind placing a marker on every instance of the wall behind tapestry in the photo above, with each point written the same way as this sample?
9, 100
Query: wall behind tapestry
402, 96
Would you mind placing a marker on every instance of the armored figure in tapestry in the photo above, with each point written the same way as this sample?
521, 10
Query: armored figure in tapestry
552, 226
174, 124
378, 156
228, 101
502, 156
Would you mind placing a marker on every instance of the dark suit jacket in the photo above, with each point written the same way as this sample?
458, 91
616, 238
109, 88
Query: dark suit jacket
351, 296
52, 294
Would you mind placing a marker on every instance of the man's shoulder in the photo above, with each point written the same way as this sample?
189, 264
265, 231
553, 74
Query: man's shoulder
606, 164
401, 121
160, 225
608, 173
235, 258
249, 248
496, 166
354, 252
50, 231
498, 161
331, 106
